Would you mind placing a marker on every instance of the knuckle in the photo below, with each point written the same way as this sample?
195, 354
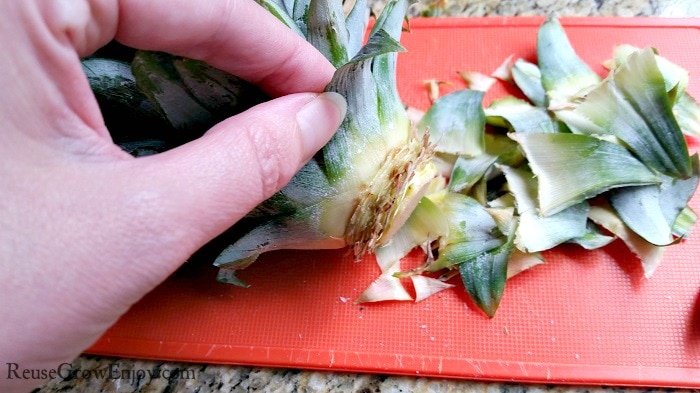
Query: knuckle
274, 165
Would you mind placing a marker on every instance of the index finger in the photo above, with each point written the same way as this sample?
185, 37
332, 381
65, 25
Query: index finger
237, 36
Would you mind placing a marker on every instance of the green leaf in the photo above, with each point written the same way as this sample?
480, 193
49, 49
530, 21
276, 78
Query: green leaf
593, 239
107, 76
535, 232
426, 223
391, 19
378, 44
675, 77
652, 211
480, 191
356, 23
528, 78
221, 93
288, 5
228, 276
467, 171
564, 74
308, 187
684, 222
649, 254
392, 114
633, 106
687, 113
456, 123
128, 114
375, 128
327, 32
300, 13
158, 79
640, 208
298, 231
278, 9
572, 168
472, 231
484, 276
520, 261
520, 115
676, 193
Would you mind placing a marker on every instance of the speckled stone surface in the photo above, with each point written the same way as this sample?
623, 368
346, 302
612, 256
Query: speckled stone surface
625, 8
95, 374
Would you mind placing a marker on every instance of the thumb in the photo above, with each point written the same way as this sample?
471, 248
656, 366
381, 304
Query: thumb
214, 181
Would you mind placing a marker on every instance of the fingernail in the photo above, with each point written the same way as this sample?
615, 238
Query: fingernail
319, 119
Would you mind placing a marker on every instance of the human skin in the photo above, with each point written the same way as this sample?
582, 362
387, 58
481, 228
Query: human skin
85, 229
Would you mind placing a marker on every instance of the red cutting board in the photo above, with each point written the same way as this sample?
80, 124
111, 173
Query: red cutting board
584, 317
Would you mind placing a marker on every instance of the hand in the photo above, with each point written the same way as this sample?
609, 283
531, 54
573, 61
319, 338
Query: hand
85, 229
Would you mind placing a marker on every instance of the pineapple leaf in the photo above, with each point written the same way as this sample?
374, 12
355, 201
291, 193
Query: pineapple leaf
593, 238
684, 222
485, 276
687, 113
649, 254
356, 23
278, 9
572, 168
564, 74
300, 13
652, 210
392, 114
327, 32
528, 78
520, 115
536, 233
456, 123
158, 79
221, 93
297, 231
426, 223
632, 104
467, 171
640, 208
472, 231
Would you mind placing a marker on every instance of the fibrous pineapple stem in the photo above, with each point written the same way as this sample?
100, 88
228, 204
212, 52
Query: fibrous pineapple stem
387, 195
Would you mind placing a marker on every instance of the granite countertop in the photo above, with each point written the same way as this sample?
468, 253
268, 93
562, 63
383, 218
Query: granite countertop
177, 377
